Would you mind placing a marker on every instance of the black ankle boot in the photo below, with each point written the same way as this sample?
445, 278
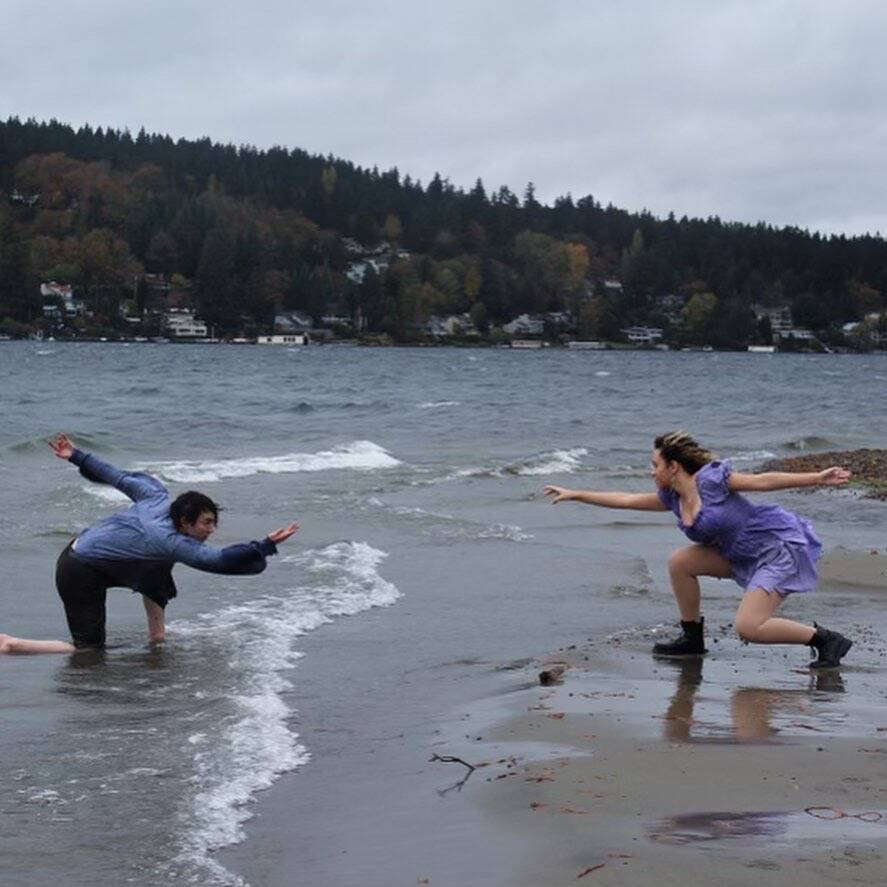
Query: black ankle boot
688, 643
830, 646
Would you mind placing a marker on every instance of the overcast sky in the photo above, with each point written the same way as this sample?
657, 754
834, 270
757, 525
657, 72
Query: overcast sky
773, 111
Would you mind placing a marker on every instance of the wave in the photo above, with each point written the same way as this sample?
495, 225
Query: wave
552, 462
555, 462
141, 390
508, 532
753, 456
105, 493
438, 404
450, 526
246, 752
361, 455
811, 442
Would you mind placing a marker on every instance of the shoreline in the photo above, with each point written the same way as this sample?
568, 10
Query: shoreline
537, 345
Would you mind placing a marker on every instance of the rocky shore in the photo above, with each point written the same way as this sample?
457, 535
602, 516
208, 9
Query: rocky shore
869, 467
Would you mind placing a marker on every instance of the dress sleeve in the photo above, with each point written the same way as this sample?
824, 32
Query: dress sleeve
666, 497
714, 482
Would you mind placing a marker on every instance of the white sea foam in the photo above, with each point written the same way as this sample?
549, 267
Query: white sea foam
439, 404
554, 462
452, 525
253, 746
753, 456
602, 373
106, 493
361, 455
557, 462
508, 532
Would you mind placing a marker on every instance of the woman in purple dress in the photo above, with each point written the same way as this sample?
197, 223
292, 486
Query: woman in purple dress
769, 551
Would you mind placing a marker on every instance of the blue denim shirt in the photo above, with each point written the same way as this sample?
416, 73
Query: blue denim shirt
138, 548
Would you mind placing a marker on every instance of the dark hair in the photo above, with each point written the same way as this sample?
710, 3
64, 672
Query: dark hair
189, 506
678, 446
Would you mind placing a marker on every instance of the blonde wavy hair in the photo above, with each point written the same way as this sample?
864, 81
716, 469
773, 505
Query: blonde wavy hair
678, 446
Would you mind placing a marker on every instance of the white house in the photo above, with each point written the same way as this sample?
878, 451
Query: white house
183, 323
453, 325
643, 335
525, 325
292, 322
64, 292
780, 317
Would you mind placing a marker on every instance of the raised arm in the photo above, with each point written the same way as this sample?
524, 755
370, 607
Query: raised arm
786, 480
636, 501
134, 484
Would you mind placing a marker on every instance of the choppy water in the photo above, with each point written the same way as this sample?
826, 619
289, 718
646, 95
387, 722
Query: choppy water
416, 476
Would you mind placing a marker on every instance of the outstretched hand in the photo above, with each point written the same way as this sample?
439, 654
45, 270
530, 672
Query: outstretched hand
62, 446
834, 476
558, 494
281, 535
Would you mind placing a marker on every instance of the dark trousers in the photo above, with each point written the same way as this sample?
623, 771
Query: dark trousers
83, 590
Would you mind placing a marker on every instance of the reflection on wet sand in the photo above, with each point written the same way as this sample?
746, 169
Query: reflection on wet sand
770, 826
752, 709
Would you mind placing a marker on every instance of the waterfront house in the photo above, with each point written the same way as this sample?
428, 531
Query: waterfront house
183, 323
643, 335
63, 293
292, 322
525, 325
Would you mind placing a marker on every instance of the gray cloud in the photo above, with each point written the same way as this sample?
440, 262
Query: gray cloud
748, 110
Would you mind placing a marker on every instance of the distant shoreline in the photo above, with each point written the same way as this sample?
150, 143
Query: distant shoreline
538, 345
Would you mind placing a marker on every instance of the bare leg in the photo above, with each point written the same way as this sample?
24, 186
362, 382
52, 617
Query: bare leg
9, 644
685, 566
756, 623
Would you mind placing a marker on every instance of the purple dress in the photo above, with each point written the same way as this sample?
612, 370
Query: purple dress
767, 546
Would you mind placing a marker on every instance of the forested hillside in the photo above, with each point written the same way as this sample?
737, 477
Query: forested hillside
247, 233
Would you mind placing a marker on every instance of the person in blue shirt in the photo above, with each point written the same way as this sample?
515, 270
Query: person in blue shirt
137, 549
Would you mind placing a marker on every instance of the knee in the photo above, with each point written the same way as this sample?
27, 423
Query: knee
679, 562
747, 628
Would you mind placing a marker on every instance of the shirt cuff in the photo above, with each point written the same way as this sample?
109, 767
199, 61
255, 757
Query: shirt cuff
78, 457
267, 547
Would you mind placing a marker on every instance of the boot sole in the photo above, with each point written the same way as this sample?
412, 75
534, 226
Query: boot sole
843, 649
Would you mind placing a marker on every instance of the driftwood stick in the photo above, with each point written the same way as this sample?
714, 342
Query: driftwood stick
450, 759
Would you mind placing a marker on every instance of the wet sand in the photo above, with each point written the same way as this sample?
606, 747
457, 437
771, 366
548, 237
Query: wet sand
632, 771
643, 772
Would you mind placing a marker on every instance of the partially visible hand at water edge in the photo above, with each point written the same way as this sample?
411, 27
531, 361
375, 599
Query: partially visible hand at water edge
559, 494
281, 535
834, 476
62, 446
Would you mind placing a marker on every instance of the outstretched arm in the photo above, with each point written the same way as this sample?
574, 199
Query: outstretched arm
786, 480
636, 501
134, 484
245, 559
